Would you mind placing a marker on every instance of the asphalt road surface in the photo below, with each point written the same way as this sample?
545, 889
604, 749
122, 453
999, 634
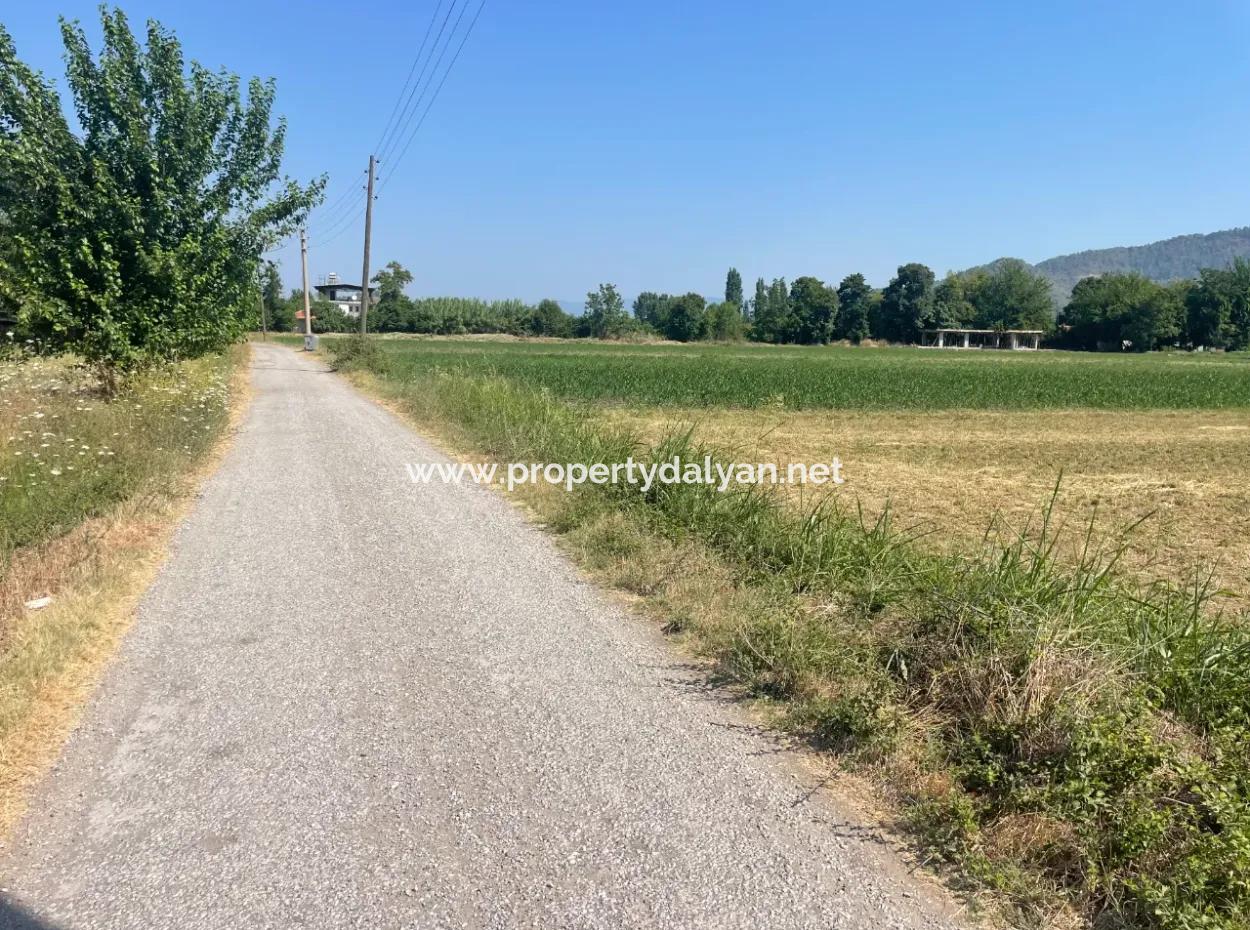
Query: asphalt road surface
352, 701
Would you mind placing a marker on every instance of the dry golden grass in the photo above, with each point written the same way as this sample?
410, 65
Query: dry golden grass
50, 659
1186, 472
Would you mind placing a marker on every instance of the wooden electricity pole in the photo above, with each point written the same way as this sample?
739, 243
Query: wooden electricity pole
264, 323
303, 257
364, 274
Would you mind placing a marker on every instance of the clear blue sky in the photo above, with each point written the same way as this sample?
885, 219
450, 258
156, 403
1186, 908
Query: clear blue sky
654, 144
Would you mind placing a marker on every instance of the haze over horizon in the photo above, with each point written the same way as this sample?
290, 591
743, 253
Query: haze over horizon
654, 145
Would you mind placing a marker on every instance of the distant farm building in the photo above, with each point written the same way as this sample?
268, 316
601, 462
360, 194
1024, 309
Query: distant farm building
983, 338
346, 296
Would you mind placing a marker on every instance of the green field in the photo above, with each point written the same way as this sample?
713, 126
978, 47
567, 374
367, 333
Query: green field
839, 377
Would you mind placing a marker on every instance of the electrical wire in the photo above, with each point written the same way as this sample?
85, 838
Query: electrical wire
340, 216
347, 227
412, 70
405, 116
333, 212
332, 229
417, 128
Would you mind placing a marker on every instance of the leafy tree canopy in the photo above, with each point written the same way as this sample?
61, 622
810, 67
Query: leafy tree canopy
605, 313
724, 323
686, 318
137, 238
855, 298
549, 319
1218, 307
906, 304
814, 309
1012, 296
653, 309
733, 288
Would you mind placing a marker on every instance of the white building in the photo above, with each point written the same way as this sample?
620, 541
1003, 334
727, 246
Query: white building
345, 296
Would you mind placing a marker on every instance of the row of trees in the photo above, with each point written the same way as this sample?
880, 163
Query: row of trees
1006, 295
1115, 311
1129, 311
134, 237
393, 311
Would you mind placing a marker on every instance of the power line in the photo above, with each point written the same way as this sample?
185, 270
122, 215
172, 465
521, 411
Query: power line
335, 210
341, 214
395, 166
346, 228
410, 110
428, 29
337, 228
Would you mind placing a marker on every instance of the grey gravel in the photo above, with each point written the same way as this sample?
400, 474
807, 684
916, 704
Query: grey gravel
352, 701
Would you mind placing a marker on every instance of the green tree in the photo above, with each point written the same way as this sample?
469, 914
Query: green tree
1218, 308
1011, 296
686, 318
1160, 320
652, 310
773, 321
605, 313
779, 309
906, 304
278, 315
761, 299
141, 234
326, 315
393, 308
854, 305
952, 306
1116, 311
724, 323
814, 308
549, 319
733, 288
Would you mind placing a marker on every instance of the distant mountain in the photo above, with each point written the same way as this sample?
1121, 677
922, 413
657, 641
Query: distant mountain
1166, 260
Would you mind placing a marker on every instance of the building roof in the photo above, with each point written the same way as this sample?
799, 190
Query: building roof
990, 332
338, 286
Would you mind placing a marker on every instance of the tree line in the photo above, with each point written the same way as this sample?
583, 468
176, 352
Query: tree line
1109, 312
1121, 311
1129, 311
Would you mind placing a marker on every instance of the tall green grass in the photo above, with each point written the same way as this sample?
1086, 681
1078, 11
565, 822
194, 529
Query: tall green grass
839, 377
1060, 732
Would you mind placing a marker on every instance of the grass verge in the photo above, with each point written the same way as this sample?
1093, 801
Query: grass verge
1065, 736
91, 493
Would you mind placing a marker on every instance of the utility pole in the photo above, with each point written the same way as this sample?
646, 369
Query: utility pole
310, 342
264, 325
364, 274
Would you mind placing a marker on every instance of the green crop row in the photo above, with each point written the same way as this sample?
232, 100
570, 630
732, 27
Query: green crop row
838, 377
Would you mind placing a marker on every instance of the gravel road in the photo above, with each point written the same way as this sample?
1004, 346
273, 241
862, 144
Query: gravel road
352, 701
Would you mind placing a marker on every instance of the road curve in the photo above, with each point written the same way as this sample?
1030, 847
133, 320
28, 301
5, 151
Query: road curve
351, 701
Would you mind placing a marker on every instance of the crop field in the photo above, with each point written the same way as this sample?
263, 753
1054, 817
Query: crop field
801, 378
953, 442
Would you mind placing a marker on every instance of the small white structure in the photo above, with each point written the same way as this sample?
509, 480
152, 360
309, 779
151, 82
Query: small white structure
1029, 339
